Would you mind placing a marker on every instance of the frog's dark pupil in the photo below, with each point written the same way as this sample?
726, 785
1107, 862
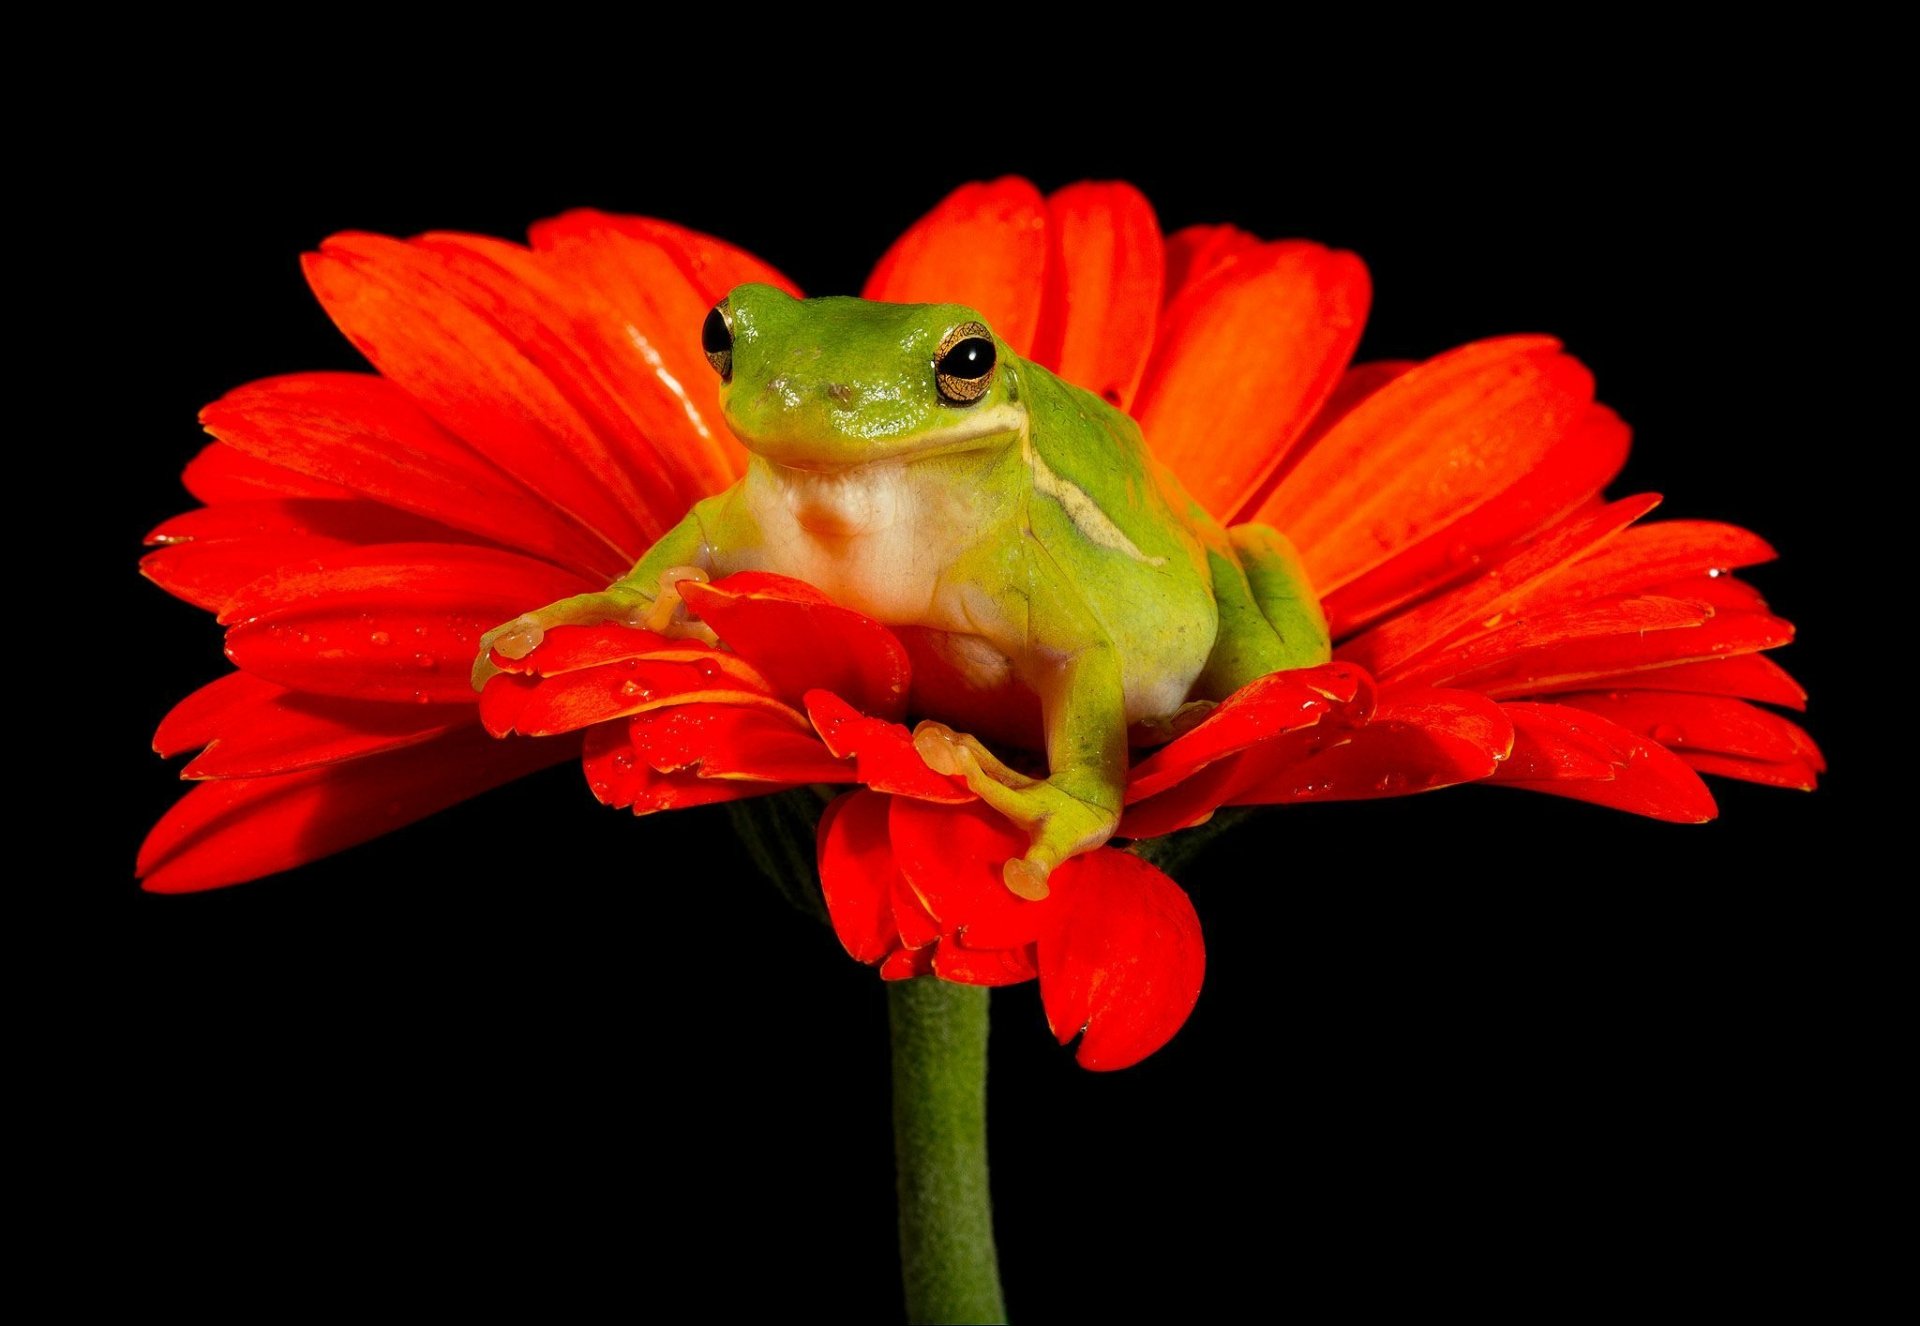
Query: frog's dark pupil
714, 337
970, 360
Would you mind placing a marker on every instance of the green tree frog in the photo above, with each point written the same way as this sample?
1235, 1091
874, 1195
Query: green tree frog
1056, 586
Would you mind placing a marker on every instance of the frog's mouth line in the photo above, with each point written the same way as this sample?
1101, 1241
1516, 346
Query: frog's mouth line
1003, 421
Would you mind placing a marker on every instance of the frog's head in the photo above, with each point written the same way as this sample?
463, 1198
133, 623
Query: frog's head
825, 383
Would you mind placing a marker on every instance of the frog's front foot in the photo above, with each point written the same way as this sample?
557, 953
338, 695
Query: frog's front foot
661, 612
1058, 823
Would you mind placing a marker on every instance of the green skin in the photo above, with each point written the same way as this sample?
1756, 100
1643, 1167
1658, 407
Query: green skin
1028, 534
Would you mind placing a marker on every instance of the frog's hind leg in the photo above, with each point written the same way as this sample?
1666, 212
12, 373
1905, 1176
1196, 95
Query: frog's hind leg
1270, 618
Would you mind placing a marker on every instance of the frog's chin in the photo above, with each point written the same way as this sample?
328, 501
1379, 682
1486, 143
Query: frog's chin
987, 431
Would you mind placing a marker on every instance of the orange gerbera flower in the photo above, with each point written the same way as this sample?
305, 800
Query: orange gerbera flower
543, 413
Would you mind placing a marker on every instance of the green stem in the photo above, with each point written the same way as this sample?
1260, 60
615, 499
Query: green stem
940, 1147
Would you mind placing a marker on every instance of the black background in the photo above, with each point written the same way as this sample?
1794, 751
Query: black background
1477, 1044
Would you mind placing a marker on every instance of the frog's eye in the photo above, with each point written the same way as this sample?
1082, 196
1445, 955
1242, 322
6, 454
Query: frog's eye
716, 338
963, 366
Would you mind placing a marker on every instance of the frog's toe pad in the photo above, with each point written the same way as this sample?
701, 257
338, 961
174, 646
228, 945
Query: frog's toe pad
1026, 879
516, 639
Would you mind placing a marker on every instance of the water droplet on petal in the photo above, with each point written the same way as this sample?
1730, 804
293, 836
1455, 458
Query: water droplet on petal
380, 638
1667, 734
424, 661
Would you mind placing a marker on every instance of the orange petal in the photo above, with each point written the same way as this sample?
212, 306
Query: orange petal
1424, 450
1481, 603
653, 284
1245, 358
1104, 269
366, 435
481, 368
232, 830
663, 428
1644, 777
1578, 651
1126, 961
800, 641
1711, 723
1197, 252
857, 875
1647, 557
1571, 474
985, 246
1745, 677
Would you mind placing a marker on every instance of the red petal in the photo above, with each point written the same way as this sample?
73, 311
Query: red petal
479, 371
214, 552
1550, 742
985, 246
1479, 604
1182, 806
395, 622
883, 753
221, 474
1417, 739
1746, 677
1711, 723
203, 715
614, 771
1570, 475
918, 929
999, 966
208, 575
1424, 450
343, 522
253, 728
1271, 706
1646, 778
1125, 963
952, 857
619, 777
574, 700
1797, 775
1198, 252
655, 283
904, 964
1244, 359
857, 875
237, 829
800, 642
729, 741
1104, 271
403, 575
367, 436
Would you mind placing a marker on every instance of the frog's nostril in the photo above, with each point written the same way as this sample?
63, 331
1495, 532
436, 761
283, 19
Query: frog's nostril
840, 393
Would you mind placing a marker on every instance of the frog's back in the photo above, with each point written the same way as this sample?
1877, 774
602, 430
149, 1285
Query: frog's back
1099, 497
